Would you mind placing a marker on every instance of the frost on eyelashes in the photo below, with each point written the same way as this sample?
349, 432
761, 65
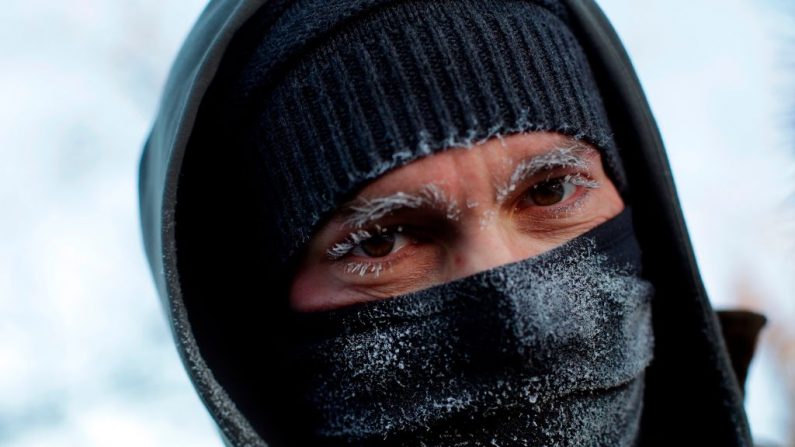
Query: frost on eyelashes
342, 248
362, 269
564, 157
579, 180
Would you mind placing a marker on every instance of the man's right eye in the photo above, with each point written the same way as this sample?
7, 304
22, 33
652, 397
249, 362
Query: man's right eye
381, 244
371, 243
383, 250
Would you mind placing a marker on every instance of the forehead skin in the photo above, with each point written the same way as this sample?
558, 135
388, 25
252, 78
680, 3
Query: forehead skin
471, 178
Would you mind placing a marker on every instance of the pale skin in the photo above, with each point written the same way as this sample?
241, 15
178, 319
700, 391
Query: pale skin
453, 214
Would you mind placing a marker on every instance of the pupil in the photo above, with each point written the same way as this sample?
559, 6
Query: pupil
379, 245
547, 193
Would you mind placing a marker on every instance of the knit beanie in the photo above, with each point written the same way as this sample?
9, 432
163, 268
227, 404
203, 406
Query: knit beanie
336, 93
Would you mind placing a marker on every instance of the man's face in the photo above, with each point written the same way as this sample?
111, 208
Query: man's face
453, 214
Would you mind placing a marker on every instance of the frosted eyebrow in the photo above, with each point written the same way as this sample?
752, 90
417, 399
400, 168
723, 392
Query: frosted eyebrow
562, 157
366, 210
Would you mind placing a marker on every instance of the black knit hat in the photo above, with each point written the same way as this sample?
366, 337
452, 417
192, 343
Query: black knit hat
340, 92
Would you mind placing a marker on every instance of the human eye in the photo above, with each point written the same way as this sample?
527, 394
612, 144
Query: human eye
375, 251
377, 242
556, 190
382, 244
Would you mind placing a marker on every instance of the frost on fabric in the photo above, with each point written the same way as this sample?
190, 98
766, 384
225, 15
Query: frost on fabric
546, 351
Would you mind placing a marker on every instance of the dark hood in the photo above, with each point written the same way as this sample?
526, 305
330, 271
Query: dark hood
219, 292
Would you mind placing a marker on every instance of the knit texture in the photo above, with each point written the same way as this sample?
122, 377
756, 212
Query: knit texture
345, 93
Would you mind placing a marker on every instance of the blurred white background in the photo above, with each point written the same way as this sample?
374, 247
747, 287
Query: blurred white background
86, 358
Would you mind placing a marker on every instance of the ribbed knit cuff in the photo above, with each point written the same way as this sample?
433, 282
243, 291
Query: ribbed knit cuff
411, 79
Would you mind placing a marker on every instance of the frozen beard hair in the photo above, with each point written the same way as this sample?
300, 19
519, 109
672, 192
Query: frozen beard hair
546, 351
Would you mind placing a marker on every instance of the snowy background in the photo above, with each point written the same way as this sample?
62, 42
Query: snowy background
85, 355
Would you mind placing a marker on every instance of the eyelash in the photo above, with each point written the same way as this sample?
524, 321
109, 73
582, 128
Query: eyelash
361, 267
580, 180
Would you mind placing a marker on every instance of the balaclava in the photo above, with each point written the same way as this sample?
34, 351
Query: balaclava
546, 351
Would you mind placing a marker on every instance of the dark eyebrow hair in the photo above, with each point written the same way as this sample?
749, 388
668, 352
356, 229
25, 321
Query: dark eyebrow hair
362, 211
571, 156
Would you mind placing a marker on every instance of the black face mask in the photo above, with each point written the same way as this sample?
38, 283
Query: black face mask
546, 351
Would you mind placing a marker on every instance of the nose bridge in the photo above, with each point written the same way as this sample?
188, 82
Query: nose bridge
484, 248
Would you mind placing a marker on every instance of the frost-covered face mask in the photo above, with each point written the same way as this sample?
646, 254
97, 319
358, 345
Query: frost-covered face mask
546, 351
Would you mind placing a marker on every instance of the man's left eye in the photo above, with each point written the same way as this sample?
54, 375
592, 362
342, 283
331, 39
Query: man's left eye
548, 192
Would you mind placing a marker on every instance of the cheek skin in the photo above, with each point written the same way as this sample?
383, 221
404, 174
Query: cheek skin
316, 288
606, 204
306, 287
610, 204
